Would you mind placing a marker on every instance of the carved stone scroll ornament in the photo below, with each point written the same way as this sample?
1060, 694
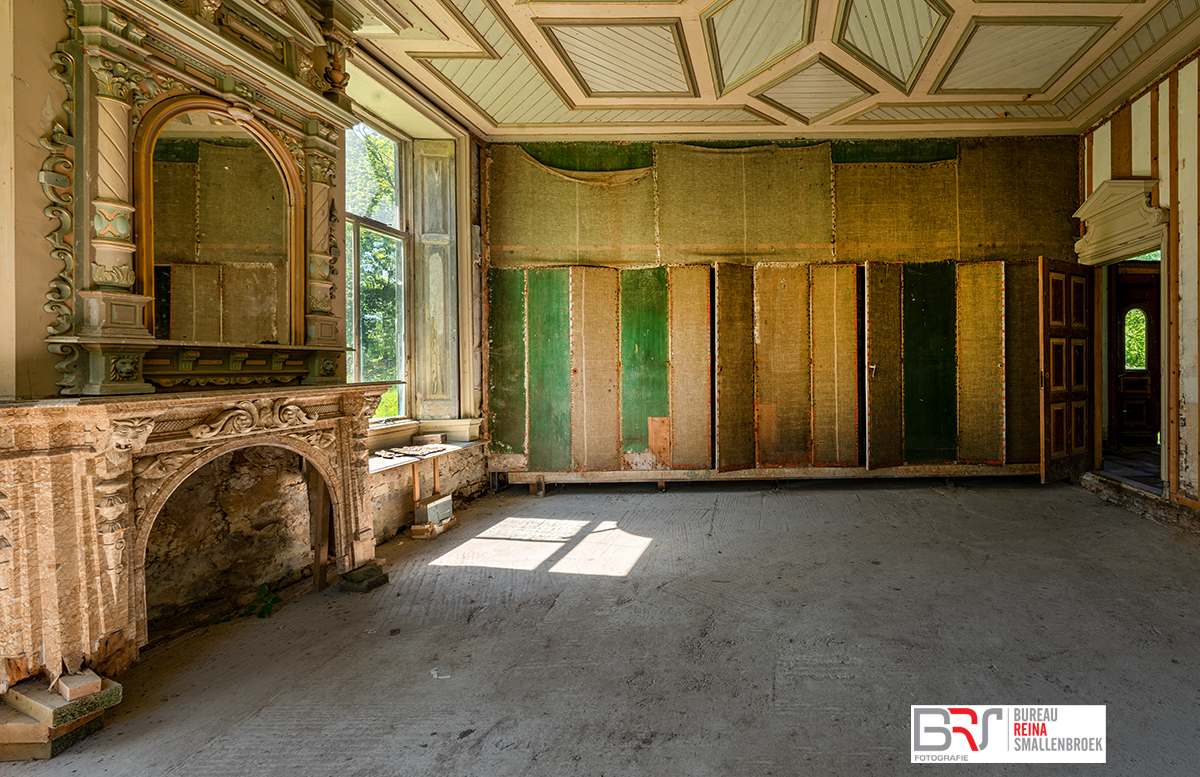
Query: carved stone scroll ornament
322, 439
149, 472
253, 416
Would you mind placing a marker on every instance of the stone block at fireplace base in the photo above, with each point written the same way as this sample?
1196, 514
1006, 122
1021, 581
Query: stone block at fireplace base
36, 722
363, 579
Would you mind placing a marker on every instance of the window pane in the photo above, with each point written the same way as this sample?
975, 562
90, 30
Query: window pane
371, 176
350, 266
381, 310
1135, 339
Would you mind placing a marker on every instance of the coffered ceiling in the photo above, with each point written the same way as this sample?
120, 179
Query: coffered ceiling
525, 69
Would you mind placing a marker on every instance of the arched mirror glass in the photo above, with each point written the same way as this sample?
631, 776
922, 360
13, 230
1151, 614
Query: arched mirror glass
220, 226
1135, 339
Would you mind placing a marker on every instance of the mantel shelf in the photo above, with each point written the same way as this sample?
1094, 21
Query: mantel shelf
153, 343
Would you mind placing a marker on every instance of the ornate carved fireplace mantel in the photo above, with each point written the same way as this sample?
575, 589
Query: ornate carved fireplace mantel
82, 481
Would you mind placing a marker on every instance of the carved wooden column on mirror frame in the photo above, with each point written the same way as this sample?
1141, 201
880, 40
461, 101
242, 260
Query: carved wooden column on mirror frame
322, 325
110, 308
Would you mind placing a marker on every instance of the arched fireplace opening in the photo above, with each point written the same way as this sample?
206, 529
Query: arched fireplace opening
241, 521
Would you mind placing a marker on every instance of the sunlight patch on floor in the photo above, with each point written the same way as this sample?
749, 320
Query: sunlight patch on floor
527, 543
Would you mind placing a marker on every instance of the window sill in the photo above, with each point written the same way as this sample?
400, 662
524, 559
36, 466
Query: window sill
391, 433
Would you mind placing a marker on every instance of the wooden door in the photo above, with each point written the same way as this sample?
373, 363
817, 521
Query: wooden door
884, 368
1134, 372
1067, 377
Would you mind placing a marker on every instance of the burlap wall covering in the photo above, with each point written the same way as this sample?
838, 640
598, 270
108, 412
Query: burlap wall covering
744, 205
897, 212
541, 216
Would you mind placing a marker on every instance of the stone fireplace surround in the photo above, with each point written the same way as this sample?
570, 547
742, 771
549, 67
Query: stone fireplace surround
83, 480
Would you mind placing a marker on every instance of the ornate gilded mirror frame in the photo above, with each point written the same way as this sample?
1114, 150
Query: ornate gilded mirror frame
130, 66
143, 155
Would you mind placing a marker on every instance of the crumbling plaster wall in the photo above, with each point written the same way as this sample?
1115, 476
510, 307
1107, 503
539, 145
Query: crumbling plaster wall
239, 522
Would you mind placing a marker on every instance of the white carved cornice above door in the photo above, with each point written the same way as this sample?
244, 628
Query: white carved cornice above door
1120, 222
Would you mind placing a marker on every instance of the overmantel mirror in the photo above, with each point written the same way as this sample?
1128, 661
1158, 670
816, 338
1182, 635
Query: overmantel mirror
221, 254
221, 250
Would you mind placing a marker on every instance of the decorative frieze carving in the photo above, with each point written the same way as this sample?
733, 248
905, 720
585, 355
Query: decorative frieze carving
208, 10
309, 74
292, 145
122, 276
219, 380
320, 438
322, 169
114, 79
248, 417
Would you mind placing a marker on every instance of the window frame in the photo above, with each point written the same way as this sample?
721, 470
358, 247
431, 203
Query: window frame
404, 235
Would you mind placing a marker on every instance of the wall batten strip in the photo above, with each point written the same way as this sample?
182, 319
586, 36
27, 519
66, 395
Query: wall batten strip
1189, 396
1140, 154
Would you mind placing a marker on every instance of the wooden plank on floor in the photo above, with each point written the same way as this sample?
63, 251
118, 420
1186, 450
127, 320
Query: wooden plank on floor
980, 300
884, 372
1022, 406
643, 353
782, 377
549, 370
595, 369
506, 360
833, 311
930, 395
691, 367
735, 365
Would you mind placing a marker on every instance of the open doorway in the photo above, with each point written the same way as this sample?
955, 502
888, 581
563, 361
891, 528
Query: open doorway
1133, 370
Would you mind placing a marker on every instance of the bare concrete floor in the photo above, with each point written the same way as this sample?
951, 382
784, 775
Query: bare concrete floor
704, 631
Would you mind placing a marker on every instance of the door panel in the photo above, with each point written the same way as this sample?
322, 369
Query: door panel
1067, 376
884, 370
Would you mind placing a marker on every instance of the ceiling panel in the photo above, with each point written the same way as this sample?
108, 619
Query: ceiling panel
511, 90
894, 37
814, 90
1018, 56
778, 68
745, 36
642, 59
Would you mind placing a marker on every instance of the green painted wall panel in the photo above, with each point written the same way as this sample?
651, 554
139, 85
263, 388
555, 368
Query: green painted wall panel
604, 157
643, 354
898, 150
591, 156
930, 382
549, 370
506, 360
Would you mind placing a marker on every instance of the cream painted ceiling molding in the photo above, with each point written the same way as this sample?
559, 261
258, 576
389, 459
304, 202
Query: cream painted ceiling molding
534, 69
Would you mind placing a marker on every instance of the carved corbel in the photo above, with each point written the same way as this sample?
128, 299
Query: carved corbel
111, 508
123, 438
